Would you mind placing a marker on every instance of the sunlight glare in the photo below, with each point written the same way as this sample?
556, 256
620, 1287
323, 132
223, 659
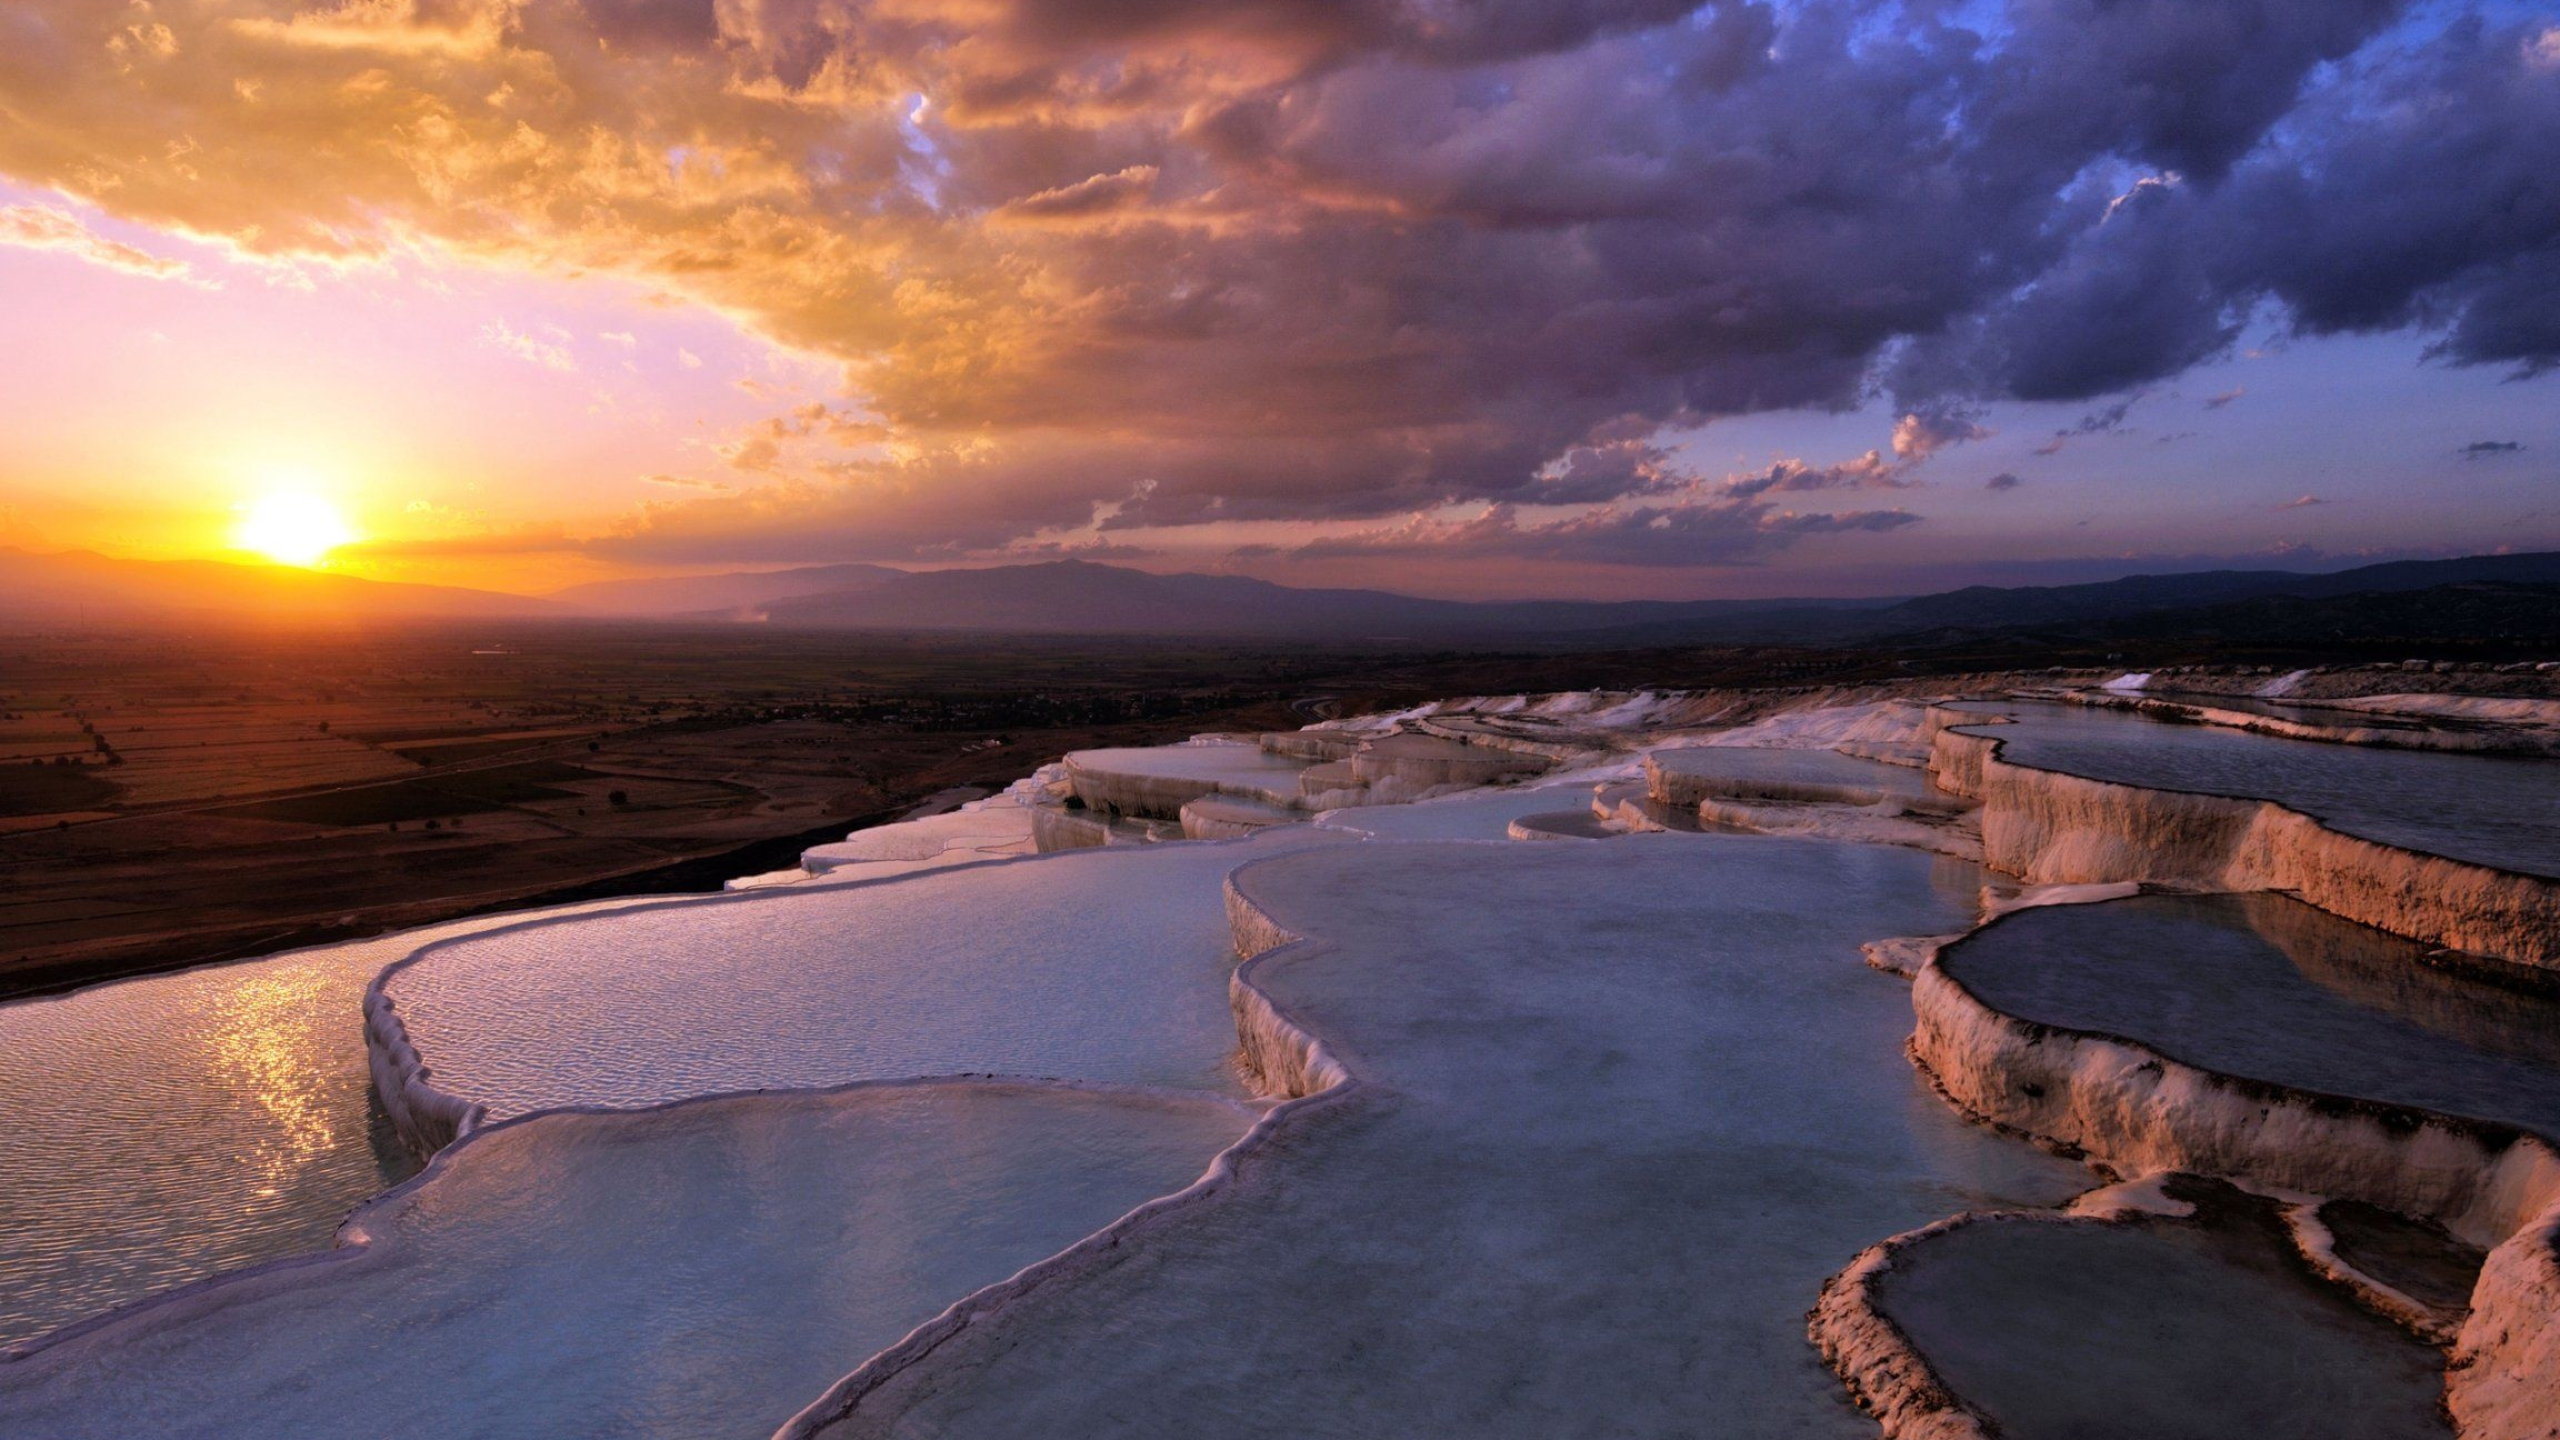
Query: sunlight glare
293, 527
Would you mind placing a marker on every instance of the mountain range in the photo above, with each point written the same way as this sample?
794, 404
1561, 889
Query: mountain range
79, 589
1084, 598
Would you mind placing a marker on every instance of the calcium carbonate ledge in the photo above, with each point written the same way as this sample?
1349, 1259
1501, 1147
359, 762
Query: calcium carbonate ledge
1692, 775
1154, 782
1883, 1371
2138, 1110
2350, 727
2158, 1368
428, 1117
2049, 826
1283, 1060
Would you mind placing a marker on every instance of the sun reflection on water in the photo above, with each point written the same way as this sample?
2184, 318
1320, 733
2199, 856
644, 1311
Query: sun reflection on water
268, 1047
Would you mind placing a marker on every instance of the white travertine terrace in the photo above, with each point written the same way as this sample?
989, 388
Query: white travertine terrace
984, 831
1054, 828
1157, 781
1864, 825
1091, 965
1468, 815
1643, 1087
2046, 825
1559, 825
2148, 1316
1220, 817
1418, 763
1330, 785
1312, 746
1312, 770
2480, 724
1693, 774
2495, 709
2128, 1103
1589, 1124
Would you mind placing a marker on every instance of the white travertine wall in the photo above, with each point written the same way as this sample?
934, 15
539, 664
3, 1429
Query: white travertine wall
1425, 762
2138, 1111
2504, 1382
1310, 745
1884, 1372
1216, 817
2047, 827
1054, 829
1157, 796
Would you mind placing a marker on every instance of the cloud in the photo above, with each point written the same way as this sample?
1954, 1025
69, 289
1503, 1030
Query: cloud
2096, 422
1340, 261
2301, 502
43, 227
686, 482
1091, 548
2099, 422
549, 348
1609, 471
1094, 198
1720, 529
2479, 449
2002, 482
2217, 402
818, 418
2382, 200
1870, 471
1921, 434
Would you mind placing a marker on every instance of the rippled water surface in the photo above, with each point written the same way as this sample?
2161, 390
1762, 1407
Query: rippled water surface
2490, 810
696, 1272
165, 1128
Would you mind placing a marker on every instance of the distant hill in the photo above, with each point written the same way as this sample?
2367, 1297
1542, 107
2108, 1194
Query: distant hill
1080, 597
1073, 597
715, 594
2495, 614
78, 588
1983, 607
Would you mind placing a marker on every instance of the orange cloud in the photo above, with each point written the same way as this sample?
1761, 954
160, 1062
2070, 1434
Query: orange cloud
42, 227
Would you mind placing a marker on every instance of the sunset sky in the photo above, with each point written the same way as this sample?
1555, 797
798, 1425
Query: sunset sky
1608, 298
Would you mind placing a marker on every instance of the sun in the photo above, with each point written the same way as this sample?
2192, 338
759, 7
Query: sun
293, 527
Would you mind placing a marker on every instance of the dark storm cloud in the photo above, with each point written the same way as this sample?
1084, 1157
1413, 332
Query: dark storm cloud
1127, 263
2412, 190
